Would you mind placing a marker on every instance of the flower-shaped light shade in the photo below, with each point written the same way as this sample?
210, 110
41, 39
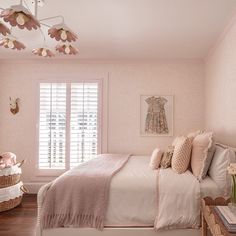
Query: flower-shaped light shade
12, 44
4, 30
19, 16
43, 52
62, 32
67, 49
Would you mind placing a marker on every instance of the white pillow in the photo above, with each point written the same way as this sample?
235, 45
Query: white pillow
218, 169
155, 158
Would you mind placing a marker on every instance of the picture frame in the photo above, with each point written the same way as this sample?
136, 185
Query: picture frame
156, 115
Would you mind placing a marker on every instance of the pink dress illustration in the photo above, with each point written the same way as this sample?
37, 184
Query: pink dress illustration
156, 122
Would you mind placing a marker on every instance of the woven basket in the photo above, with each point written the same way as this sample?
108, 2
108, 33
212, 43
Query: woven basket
10, 180
4, 206
8, 205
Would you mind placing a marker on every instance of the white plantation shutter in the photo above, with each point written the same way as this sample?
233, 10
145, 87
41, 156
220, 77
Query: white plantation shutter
84, 125
52, 126
68, 124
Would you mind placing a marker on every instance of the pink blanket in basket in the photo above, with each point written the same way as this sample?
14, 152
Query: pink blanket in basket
80, 196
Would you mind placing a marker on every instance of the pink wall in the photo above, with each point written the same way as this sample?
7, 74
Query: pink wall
127, 81
221, 88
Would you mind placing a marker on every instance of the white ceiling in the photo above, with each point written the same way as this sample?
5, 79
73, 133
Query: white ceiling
132, 29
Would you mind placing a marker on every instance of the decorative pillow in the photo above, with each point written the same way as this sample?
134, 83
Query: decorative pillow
182, 154
156, 158
202, 152
176, 141
218, 169
191, 135
167, 156
194, 134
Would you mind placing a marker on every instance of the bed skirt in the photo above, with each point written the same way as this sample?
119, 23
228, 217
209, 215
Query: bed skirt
136, 231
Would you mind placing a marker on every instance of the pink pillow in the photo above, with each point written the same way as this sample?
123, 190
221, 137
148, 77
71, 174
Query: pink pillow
155, 159
193, 135
203, 149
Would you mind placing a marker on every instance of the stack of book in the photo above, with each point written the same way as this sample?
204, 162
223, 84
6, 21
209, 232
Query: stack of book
227, 217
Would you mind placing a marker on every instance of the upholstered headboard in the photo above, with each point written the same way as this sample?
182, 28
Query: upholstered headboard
226, 146
224, 155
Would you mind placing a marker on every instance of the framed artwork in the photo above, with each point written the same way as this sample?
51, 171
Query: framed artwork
156, 115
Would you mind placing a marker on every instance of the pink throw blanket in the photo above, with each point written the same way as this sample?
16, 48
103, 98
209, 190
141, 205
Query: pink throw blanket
80, 196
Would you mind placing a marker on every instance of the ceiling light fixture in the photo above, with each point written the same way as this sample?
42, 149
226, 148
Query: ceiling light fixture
67, 49
22, 17
3, 29
12, 44
62, 33
43, 52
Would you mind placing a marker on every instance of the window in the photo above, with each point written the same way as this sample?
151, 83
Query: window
52, 126
68, 124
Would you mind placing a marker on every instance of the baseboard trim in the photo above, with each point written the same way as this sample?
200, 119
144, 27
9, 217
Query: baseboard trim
33, 187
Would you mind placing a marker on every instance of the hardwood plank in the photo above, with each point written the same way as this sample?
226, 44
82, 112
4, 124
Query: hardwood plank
20, 221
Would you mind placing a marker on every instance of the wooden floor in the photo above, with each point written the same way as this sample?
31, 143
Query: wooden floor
20, 221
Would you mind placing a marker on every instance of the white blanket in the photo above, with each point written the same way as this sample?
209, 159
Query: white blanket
11, 192
178, 200
13, 170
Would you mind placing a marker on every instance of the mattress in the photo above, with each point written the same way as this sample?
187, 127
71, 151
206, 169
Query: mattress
133, 195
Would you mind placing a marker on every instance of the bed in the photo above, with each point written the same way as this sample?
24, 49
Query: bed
132, 204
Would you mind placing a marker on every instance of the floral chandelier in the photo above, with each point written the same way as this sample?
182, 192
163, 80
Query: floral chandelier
20, 16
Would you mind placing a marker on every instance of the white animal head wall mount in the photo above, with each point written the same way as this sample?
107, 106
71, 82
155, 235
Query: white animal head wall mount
14, 105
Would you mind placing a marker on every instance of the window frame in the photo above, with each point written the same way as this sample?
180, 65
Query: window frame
68, 82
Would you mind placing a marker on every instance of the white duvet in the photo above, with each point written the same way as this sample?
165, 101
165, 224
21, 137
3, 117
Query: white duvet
133, 199
179, 200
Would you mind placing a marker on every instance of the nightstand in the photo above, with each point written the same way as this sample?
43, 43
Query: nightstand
211, 220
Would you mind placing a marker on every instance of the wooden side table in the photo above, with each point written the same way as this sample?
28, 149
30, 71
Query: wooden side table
210, 218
